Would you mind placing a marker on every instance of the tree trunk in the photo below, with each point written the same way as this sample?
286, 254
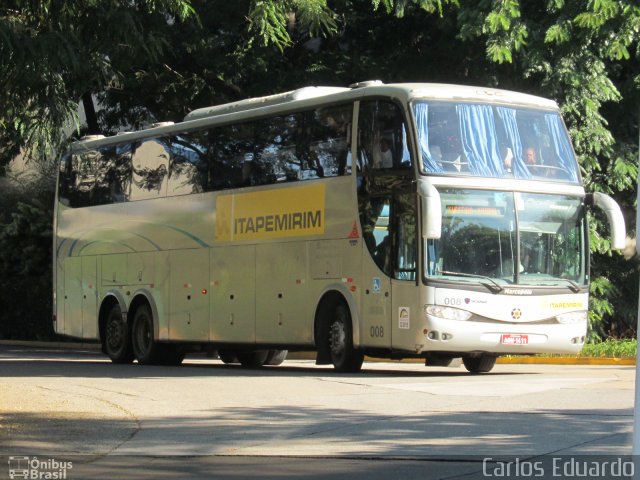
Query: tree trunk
90, 114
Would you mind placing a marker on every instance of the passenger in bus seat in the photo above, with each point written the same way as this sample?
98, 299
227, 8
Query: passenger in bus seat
507, 159
382, 155
530, 157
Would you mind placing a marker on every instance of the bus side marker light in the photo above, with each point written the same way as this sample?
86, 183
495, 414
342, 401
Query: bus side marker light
204, 291
354, 231
353, 288
347, 280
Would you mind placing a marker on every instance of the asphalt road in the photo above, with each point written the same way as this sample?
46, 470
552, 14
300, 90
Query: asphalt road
210, 420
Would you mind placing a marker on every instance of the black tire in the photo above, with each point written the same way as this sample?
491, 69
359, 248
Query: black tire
344, 356
438, 360
228, 356
276, 357
253, 359
117, 337
146, 350
172, 355
481, 364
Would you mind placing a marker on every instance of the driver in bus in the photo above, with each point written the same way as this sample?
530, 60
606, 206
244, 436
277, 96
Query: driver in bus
530, 157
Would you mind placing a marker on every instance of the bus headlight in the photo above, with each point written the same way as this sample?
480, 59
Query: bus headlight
572, 317
448, 313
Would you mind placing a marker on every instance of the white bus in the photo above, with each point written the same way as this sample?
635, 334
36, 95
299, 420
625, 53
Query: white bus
394, 221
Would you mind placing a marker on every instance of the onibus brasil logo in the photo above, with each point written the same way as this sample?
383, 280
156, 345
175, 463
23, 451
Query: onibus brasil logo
34, 468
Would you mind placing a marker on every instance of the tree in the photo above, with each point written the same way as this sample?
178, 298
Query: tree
55, 52
156, 60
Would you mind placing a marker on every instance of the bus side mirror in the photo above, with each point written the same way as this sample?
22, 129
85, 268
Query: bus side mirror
431, 210
614, 216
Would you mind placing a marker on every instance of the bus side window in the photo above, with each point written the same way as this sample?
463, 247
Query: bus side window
230, 148
406, 251
65, 181
382, 136
82, 178
115, 182
376, 230
187, 166
150, 168
277, 150
330, 140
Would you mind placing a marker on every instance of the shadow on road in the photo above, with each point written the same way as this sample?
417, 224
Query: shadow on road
18, 362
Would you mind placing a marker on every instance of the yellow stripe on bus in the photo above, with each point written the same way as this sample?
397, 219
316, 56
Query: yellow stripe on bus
287, 212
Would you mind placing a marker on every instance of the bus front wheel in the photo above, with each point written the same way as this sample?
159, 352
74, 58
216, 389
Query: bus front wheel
479, 364
344, 356
117, 338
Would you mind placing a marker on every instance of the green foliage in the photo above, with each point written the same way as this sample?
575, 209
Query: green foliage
602, 290
52, 52
273, 22
155, 60
25, 260
611, 348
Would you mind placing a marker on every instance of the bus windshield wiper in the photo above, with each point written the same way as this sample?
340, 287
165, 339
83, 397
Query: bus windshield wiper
494, 287
573, 286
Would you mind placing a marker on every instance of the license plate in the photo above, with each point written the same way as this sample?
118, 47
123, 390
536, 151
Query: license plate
511, 339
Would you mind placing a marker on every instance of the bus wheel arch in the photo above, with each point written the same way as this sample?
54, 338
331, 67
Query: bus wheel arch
115, 330
334, 329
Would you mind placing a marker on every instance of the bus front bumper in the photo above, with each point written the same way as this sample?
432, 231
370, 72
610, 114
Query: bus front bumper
444, 335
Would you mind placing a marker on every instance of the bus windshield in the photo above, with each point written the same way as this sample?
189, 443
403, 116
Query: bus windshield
509, 238
493, 141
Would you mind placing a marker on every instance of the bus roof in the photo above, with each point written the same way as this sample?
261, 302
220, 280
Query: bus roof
310, 97
433, 91
259, 102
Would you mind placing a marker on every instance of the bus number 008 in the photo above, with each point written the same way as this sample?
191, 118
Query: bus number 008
452, 301
377, 331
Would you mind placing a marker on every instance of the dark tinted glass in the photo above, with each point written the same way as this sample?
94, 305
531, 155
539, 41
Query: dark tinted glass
298, 146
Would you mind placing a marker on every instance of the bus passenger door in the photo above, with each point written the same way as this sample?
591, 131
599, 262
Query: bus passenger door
376, 299
73, 296
383, 169
407, 316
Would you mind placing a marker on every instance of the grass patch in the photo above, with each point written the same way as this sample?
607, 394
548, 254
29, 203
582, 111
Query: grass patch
611, 349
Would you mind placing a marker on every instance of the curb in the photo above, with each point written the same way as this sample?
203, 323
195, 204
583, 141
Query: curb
82, 346
95, 347
567, 360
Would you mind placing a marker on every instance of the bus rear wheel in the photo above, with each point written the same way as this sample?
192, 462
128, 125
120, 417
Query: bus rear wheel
172, 355
344, 356
253, 359
228, 356
276, 357
117, 338
479, 364
146, 350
